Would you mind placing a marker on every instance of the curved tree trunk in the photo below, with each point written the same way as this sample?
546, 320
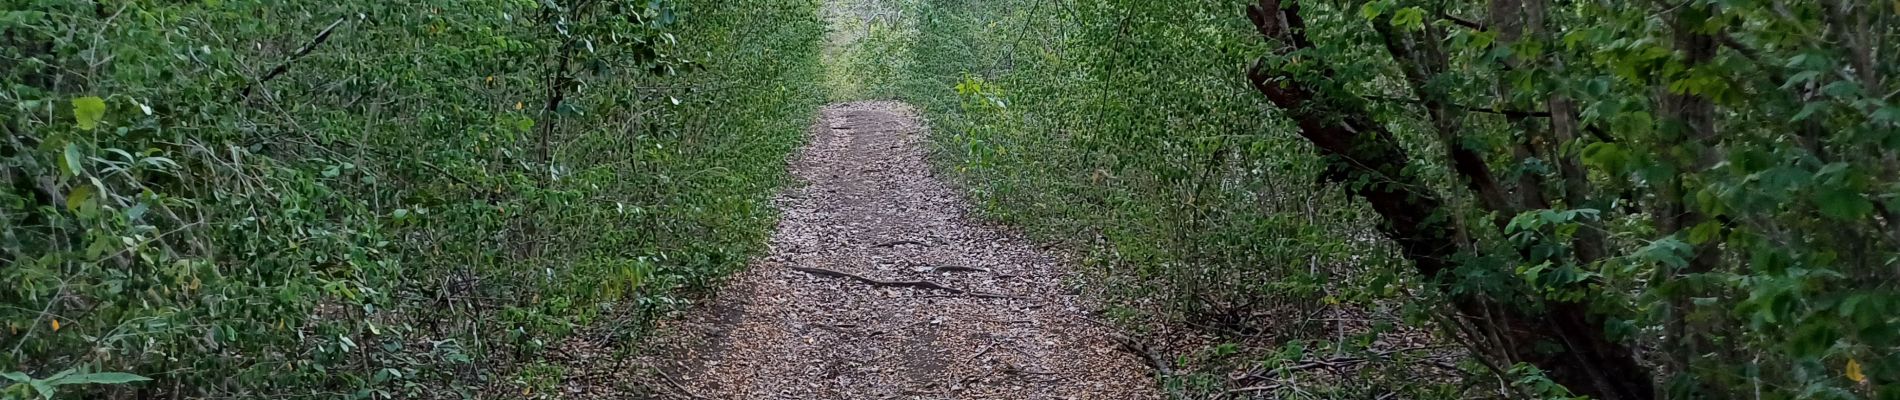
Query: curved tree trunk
1365, 156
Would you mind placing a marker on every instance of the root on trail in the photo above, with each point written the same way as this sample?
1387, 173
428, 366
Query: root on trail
1164, 370
953, 268
874, 282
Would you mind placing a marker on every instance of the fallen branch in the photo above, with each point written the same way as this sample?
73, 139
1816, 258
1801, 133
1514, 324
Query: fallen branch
995, 296
1163, 369
900, 242
285, 66
1262, 388
677, 389
952, 268
986, 350
1340, 362
980, 295
881, 332
874, 282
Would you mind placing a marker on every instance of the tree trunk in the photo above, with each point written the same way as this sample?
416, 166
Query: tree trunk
1692, 119
1365, 156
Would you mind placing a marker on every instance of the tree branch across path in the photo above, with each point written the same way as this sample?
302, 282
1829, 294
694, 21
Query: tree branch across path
873, 282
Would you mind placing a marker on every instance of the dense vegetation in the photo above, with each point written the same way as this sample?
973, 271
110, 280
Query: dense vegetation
1298, 199
375, 199
1656, 199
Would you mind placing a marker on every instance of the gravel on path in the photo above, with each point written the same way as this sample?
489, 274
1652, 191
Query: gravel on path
881, 285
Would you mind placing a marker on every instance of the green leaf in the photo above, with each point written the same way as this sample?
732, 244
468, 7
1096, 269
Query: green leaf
1843, 204
1888, 113
1800, 78
88, 111
1704, 232
1481, 40
57, 376
1523, 222
1807, 111
1667, 251
137, 210
78, 197
16, 376
1609, 157
1410, 18
1372, 9
101, 378
45, 390
1841, 89
73, 159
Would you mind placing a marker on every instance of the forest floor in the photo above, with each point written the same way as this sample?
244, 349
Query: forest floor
880, 284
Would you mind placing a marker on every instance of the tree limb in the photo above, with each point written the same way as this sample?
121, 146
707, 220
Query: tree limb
283, 67
874, 282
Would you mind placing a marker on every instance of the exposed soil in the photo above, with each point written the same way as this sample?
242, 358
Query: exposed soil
880, 285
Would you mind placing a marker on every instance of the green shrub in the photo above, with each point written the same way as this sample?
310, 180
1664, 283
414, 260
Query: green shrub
1641, 200
388, 199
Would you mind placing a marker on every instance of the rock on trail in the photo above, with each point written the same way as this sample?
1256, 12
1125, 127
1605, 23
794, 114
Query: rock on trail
879, 285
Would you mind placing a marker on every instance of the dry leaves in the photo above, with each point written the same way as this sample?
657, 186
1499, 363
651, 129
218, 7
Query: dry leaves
869, 206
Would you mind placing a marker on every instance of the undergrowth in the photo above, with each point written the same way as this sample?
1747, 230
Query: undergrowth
389, 199
1296, 199
1467, 199
1121, 132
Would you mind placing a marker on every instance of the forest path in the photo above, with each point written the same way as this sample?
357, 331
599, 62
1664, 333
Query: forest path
794, 325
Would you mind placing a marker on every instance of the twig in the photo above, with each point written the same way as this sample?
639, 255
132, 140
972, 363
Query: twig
1341, 361
285, 66
986, 350
1261, 388
1505, 112
835, 328
157, 238
900, 242
1593, 130
58, 295
1474, 25
906, 326
680, 389
953, 268
1163, 371
874, 282
995, 296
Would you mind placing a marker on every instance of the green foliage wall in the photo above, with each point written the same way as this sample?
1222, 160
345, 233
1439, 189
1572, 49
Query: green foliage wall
1734, 163
1124, 130
1712, 182
866, 48
429, 194
1120, 121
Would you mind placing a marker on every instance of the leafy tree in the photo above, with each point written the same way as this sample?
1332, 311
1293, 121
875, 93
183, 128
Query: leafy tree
1654, 199
1687, 115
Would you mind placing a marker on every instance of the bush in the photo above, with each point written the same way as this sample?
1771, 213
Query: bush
387, 199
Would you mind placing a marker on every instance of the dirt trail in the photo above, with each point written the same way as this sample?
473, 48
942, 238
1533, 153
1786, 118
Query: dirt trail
870, 207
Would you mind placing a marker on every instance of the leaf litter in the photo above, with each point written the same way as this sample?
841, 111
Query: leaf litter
881, 285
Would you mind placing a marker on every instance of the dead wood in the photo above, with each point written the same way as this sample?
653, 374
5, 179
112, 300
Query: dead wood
874, 282
301, 52
952, 268
1163, 369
